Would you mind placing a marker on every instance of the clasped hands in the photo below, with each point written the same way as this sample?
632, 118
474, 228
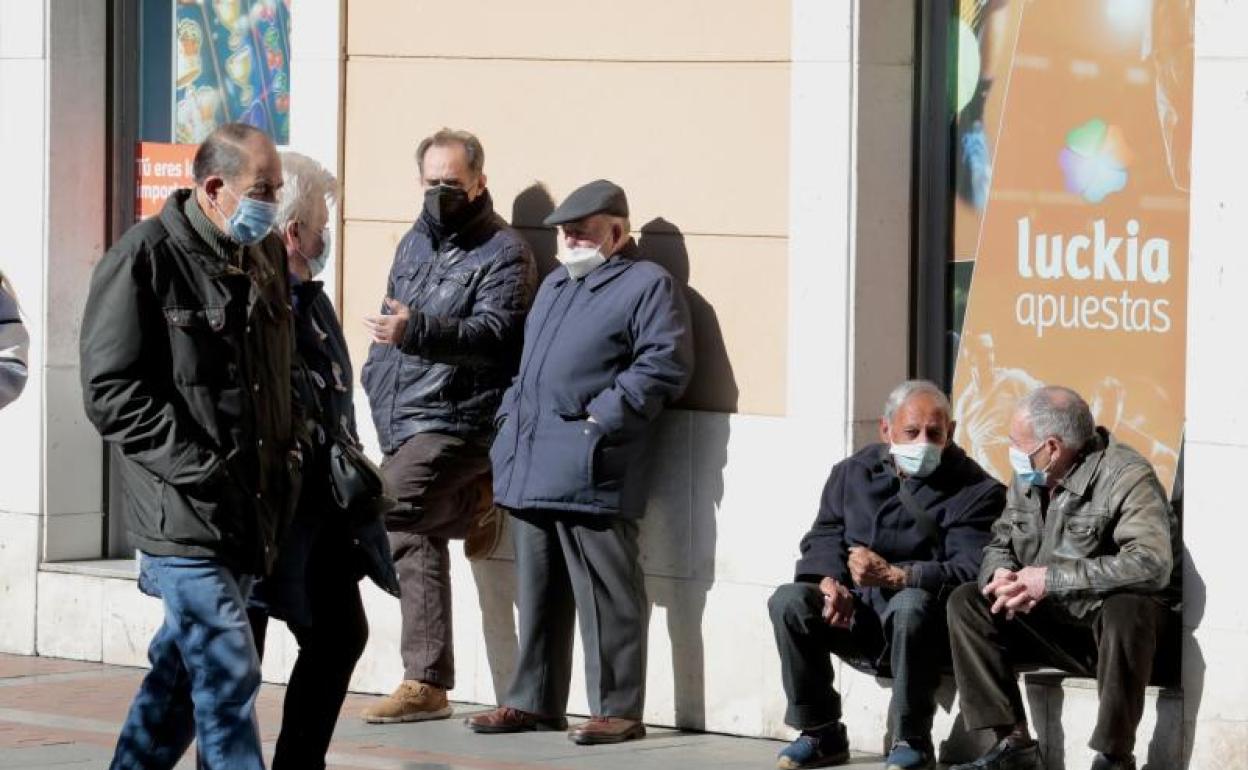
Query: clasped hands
867, 569
1016, 592
389, 328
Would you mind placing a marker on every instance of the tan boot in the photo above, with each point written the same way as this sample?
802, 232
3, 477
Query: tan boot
411, 701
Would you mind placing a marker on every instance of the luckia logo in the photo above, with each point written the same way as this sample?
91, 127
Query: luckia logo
1095, 160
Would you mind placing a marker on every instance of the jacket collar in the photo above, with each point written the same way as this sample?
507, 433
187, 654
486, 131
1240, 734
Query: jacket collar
1080, 477
608, 271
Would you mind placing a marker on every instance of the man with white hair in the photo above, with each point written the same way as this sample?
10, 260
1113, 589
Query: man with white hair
901, 524
1082, 574
314, 584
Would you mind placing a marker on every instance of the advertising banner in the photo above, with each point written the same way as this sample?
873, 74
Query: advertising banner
160, 169
232, 64
1071, 227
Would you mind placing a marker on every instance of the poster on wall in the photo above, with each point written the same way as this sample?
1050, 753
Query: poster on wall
232, 64
160, 168
1071, 221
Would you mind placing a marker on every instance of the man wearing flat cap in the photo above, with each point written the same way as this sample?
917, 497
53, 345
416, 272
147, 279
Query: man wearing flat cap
607, 346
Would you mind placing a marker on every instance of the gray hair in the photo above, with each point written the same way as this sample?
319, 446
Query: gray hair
221, 154
470, 143
906, 390
304, 183
1059, 412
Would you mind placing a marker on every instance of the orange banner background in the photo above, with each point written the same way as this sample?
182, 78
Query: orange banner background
160, 169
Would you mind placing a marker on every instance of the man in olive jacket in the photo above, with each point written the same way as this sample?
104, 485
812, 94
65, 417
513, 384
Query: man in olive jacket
186, 353
1082, 574
607, 347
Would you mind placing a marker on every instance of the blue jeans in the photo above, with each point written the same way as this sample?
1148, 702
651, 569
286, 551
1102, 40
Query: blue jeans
205, 672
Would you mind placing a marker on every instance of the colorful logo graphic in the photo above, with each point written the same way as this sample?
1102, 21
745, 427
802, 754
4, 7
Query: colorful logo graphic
1095, 160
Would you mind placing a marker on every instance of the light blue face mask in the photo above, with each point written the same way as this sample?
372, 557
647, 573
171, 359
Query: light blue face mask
252, 219
1020, 461
918, 460
317, 262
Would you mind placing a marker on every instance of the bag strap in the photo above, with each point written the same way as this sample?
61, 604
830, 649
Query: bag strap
925, 521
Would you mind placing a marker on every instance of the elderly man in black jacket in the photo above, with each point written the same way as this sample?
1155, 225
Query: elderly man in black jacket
187, 347
444, 349
606, 348
901, 524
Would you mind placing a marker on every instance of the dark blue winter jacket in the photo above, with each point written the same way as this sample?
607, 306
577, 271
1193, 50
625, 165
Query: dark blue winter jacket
615, 345
861, 506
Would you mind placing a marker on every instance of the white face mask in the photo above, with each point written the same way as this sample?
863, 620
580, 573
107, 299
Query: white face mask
316, 262
918, 460
581, 260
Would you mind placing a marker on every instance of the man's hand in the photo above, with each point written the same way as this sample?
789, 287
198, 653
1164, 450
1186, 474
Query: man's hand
869, 569
389, 329
838, 603
1017, 592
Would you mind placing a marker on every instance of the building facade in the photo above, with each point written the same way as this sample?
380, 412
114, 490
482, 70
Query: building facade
775, 156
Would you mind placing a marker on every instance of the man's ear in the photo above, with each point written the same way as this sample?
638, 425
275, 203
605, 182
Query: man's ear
480, 186
289, 230
952, 430
884, 431
212, 187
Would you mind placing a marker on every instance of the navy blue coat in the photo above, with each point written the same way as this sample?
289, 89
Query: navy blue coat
615, 345
861, 506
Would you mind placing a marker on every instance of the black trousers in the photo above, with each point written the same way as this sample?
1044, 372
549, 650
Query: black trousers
906, 641
1117, 644
328, 650
571, 566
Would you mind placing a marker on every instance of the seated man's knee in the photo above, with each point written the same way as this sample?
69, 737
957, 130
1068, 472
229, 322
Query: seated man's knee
1134, 612
912, 608
792, 602
963, 602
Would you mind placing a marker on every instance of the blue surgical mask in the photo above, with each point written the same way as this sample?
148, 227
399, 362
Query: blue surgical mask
251, 221
918, 460
1020, 461
317, 262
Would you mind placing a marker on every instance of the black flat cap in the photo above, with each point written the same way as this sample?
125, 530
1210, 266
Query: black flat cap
598, 197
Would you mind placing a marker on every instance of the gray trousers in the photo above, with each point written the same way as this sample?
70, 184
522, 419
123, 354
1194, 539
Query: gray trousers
570, 566
439, 481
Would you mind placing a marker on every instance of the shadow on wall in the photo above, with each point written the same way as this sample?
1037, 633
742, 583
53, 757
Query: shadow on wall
530, 207
680, 541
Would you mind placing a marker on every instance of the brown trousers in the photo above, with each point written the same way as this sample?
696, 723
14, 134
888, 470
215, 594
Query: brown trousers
440, 482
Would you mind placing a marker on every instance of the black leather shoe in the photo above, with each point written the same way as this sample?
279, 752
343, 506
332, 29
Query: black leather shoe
1104, 762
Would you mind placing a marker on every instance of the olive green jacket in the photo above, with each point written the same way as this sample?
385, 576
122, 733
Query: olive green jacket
1109, 529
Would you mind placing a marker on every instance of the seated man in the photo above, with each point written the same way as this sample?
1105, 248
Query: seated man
901, 524
1080, 574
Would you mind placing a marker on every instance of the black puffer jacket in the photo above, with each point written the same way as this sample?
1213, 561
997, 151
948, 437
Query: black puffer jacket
186, 369
468, 295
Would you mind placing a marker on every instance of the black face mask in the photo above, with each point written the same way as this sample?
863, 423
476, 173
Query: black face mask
446, 205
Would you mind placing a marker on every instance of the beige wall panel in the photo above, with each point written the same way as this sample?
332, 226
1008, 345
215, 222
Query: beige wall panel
702, 145
684, 30
738, 301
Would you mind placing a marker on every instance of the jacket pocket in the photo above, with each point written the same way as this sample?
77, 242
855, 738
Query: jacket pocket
1083, 533
561, 459
198, 348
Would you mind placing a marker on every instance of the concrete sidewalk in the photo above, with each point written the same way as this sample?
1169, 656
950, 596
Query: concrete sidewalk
65, 714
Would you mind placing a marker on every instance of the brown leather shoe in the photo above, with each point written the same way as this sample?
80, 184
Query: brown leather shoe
505, 719
607, 730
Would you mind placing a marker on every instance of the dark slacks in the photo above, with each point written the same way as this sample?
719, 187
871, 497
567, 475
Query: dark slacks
571, 566
1117, 644
328, 650
439, 481
908, 637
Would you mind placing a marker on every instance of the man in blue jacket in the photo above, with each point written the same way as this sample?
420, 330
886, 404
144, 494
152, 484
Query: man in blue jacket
444, 349
901, 524
607, 346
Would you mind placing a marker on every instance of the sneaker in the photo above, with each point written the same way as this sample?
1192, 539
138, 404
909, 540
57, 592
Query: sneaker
1007, 755
976, 166
1106, 762
824, 747
486, 530
411, 701
907, 756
